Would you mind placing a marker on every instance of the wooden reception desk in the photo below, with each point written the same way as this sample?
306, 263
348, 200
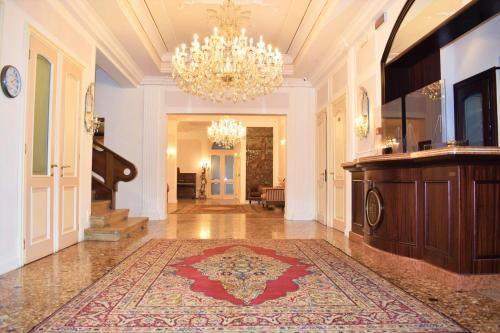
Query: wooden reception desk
441, 206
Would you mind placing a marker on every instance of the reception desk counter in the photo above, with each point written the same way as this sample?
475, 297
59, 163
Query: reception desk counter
441, 206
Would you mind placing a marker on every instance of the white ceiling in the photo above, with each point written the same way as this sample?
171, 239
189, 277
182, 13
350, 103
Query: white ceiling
304, 30
277, 20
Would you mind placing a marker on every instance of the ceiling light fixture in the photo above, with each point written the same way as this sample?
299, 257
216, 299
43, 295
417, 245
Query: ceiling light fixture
228, 66
226, 133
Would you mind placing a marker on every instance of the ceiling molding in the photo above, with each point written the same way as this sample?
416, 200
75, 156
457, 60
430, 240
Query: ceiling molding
352, 35
145, 25
133, 20
106, 42
306, 26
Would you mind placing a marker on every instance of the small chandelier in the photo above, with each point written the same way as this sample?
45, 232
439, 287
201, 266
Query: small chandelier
226, 132
432, 91
228, 66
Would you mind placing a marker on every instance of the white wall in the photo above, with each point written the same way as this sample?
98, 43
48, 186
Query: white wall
122, 110
18, 17
470, 54
296, 101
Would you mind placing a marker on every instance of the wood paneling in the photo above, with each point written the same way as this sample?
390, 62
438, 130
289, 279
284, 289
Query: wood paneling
358, 202
443, 209
440, 207
437, 221
487, 220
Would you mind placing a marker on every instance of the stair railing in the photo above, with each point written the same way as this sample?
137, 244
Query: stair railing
108, 169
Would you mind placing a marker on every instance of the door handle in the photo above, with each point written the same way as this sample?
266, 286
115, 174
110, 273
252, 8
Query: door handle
64, 167
52, 166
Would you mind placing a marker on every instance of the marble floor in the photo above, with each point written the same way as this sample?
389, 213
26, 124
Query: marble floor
30, 294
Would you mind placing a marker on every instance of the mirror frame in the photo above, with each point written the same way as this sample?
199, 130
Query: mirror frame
395, 30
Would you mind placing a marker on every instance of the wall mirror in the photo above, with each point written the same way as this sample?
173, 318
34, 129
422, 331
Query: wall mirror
422, 18
362, 121
425, 117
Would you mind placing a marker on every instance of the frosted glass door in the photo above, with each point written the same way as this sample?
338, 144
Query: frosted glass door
229, 175
473, 116
40, 160
215, 180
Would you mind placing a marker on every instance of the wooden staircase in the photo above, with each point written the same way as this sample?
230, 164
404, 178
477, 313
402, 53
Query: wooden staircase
106, 222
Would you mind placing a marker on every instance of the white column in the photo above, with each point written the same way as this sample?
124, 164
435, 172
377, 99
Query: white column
350, 139
153, 156
300, 155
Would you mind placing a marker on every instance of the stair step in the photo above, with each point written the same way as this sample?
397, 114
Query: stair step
113, 215
116, 230
100, 207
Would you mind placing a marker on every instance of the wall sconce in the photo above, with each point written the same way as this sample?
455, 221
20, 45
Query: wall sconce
362, 126
362, 122
204, 164
171, 152
283, 142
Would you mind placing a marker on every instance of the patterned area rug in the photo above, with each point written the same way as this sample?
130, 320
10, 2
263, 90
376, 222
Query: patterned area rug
243, 286
219, 209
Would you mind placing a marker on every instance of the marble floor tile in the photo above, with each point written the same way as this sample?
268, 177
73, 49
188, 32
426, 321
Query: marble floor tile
33, 292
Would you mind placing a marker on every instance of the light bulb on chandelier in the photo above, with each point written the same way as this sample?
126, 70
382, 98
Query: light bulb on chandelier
228, 66
226, 132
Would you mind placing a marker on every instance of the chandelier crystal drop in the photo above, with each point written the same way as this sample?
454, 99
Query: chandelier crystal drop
228, 65
226, 132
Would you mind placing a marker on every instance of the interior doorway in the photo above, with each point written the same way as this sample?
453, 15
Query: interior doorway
51, 156
257, 162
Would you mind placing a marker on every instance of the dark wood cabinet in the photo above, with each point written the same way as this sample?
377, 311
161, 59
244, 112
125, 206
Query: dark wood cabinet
443, 209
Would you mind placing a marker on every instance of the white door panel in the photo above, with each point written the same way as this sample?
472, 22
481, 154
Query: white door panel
321, 167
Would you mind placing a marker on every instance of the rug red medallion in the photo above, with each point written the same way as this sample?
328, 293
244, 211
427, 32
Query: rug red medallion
243, 286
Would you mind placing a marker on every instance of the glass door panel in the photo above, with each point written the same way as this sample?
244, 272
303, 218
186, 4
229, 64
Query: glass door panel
215, 175
41, 117
229, 175
473, 116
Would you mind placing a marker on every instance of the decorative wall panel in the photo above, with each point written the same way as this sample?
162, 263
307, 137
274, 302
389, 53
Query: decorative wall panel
259, 157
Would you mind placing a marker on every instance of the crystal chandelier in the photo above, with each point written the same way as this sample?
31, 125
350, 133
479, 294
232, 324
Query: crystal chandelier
228, 66
226, 132
433, 91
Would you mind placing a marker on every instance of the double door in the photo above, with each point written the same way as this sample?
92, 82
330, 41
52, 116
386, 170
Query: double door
51, 150
222, 176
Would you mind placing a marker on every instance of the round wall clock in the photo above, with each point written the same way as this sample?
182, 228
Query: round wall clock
89, 108
374, 207
11, 81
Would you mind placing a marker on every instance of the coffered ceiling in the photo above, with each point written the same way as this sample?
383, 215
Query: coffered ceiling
277, 20
150, 30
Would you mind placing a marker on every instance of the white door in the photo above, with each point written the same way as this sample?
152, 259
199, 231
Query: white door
68, 181
339, 153
321, 160
222, 175
40, 161
51, 162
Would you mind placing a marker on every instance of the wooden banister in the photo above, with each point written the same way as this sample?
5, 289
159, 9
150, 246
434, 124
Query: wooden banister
109, 168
